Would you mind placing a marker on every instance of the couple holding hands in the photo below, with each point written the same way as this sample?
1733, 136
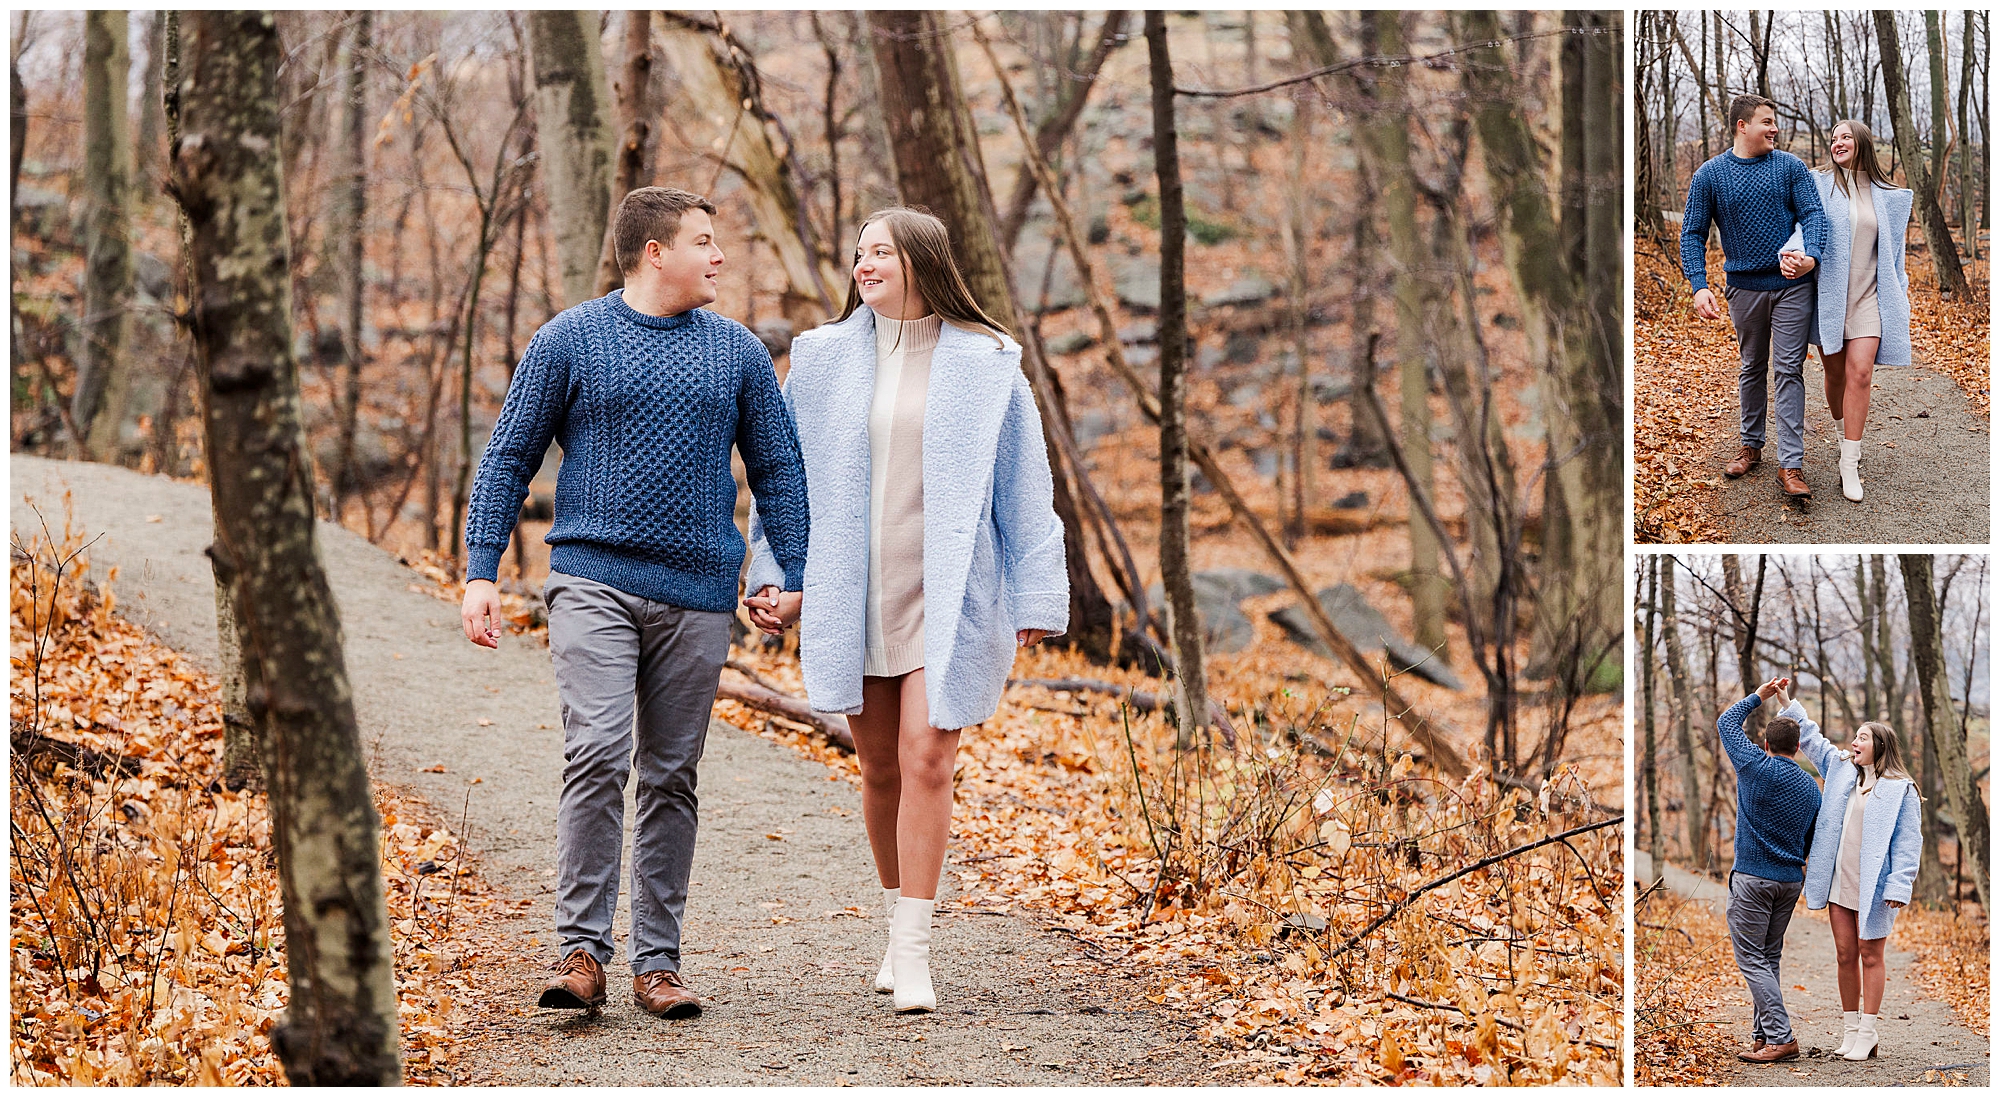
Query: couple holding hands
903, 518
1850, 841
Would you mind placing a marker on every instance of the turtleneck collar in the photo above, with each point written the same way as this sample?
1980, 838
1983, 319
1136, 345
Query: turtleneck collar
1867, 777
909, 336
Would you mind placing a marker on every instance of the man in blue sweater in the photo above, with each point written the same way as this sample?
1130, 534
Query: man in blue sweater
1776, 804
1754, 193
646, 391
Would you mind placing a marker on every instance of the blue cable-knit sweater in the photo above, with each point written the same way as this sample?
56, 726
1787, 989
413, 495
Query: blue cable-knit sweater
1776, 802
1755, 202
645, 408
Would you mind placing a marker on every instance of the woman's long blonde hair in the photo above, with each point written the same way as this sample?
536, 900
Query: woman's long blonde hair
923, 247
1888, 752
1866, 164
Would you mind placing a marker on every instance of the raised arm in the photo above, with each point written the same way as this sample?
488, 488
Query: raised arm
765, 435
1812, 742
1741, 750
1695, 222
1031, 536
536, 402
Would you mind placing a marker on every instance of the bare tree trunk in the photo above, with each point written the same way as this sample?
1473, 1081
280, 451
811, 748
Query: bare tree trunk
935, 149
340, 1027
1885, 640
718, 79
1966, 226
1385, 139
1969, 810
1865, 624
1937, 234
350, 223
1072, 92
1691, 801
1940, 92
636, 111
103, 376
152, 122
1191, 682
1743, 621
573, 113
1298, 247
1650, 781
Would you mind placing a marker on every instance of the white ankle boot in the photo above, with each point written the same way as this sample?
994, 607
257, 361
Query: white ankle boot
1850, 1023
1865, 1041
910, 955
885, 979
1839, 431
1850, 469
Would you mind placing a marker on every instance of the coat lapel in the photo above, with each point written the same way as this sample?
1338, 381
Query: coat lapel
970, 381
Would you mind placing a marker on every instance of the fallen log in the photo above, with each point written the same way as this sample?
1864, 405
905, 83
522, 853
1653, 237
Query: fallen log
786, 707
1143, 700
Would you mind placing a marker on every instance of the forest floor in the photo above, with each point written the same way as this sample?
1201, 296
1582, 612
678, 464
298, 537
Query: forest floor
781, 846
1924, 458
1924, 1042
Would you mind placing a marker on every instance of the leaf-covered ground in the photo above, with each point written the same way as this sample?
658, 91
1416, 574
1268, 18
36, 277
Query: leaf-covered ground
146, 930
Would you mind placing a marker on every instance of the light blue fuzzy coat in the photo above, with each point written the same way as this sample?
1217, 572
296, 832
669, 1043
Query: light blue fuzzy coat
993, 547
1892, 282
1892, 839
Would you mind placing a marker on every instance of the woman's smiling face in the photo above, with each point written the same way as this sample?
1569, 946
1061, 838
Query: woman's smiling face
1842, 146
882, 277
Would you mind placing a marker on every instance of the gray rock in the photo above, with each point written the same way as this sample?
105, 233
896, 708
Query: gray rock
1141, 356
1242, 347
1143, 332
1240, 583
1137, 282
1224, 628
1366, 627
153, 276
1089, 426
1352, 500
1031, 258
1251, 289
1071, 343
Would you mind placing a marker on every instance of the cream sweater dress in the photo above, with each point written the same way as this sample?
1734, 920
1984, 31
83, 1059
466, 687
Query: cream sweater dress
895, 625
1847, 862
1864, 314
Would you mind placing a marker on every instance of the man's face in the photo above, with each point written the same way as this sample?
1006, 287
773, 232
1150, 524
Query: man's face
689, 269
1760, 131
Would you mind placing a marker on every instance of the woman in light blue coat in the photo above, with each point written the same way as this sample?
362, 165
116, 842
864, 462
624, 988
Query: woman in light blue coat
1864, 293
935, 551
1862, 866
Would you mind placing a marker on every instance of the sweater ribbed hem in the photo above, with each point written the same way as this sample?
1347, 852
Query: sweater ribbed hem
893, 660
483, 562
644, 578
1765, 281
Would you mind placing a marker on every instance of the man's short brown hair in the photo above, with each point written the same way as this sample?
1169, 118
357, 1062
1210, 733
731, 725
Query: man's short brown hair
651, 213
1744, 107
1782, 735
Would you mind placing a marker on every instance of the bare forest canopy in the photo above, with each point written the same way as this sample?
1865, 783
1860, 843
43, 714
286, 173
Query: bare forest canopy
1857, 646
1402, 277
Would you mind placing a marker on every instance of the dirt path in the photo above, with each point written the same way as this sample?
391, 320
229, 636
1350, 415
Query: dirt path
1918, 1034
1923, 465
786, 984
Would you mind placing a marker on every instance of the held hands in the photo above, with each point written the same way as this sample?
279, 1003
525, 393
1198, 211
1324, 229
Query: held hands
773, 610
1893, 904
480, 613
1705, 306
1029, 637
1794, 264
1775, 692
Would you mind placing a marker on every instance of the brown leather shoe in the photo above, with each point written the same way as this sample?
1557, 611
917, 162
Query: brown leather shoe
1793, 483
578, 983
1772, 1053
662, 994
1746, 459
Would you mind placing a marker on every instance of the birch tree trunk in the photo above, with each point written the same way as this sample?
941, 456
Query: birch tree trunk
1190, 683
103, 376
1937, 234
573, 117
1691, 801
340, 1026
1968, 809
1650, 781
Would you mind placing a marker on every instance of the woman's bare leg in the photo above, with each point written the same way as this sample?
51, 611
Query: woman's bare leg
1836, 381
1872, 974
1847, 956
1859, 376
927, 757
876, 728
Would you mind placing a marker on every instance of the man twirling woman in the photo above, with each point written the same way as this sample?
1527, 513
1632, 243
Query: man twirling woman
1863, 863
934, 550
1863, 297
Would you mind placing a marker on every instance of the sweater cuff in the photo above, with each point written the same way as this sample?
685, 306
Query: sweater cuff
1699, 280
795, 576
482, 562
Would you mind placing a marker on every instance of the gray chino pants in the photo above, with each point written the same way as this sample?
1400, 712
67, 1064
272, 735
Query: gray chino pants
1759, 912
625, 664
1770, 321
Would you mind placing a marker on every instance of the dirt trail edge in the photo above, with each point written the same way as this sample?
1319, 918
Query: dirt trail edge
1918, 1033
785, 982
1923, 469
